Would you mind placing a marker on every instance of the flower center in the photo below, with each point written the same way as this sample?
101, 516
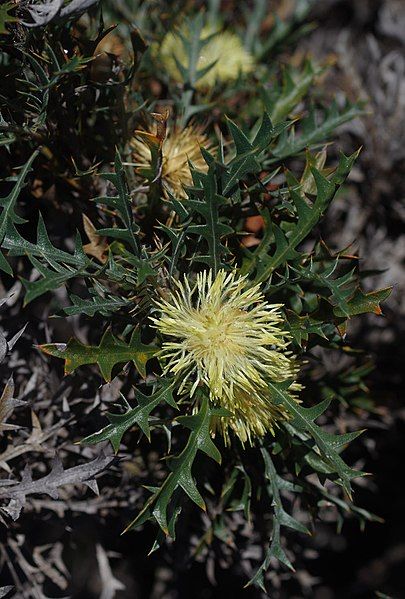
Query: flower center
216, 336
219, 335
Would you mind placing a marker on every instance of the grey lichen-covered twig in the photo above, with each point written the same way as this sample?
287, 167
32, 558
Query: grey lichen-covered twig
49, 484
43, 13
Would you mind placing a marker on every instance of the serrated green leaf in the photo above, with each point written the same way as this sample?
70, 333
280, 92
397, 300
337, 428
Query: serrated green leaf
212, 230
144, 269
8, 216
5, 17
283, 31
242, 503
307, 218
301, 327
122, 204
340, 288
181, 469
327, 444
362, 302
95, 304
50, 280
242, 144
106, 355
64, 266
313, 131
120, 423
275, 484
296, 83
245, 161
43, 248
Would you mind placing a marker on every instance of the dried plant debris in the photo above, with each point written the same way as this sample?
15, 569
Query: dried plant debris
42, 12
49, 484
45, 563
7, 405
109, 584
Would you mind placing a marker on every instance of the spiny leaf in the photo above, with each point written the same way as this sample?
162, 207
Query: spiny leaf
8, 215
191, 39
302, 326
106, 355
5, 17
364, 302
245, 160
49, 484
64, 266
327, 444
307, 218
346, 297
190, 36
212, 230
283, 31
275, 484
313, 132
122, 204
7, 404
340, 288
180, 466
282, 100
50, 280
43, 248
139, 416
177, 239
346, 507
143, 265
242, 503
95, 304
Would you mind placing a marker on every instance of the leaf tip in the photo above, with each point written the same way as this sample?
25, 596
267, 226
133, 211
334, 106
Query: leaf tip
126, 529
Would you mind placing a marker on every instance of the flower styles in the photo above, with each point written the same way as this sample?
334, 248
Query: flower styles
221, 333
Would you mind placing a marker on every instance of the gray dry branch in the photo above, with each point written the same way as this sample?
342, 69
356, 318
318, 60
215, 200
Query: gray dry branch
49, 484
43, 13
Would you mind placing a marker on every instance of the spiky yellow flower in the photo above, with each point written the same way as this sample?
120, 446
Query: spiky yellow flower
221, 333
180, 146
224, 49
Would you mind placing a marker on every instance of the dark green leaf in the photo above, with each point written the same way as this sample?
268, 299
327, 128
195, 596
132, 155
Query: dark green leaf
122, 204
307, 218
275, 484
212, 230
95, 304
139, 416
364, 302
110, 352
314, 132
327, 444
8, 216
180, 466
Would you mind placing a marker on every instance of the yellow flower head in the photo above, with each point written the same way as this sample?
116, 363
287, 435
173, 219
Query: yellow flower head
225, 48
223, 334
178, 148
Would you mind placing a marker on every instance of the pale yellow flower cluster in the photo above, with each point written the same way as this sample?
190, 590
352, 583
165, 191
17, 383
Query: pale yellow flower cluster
224, 48
181, 146
222, 334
